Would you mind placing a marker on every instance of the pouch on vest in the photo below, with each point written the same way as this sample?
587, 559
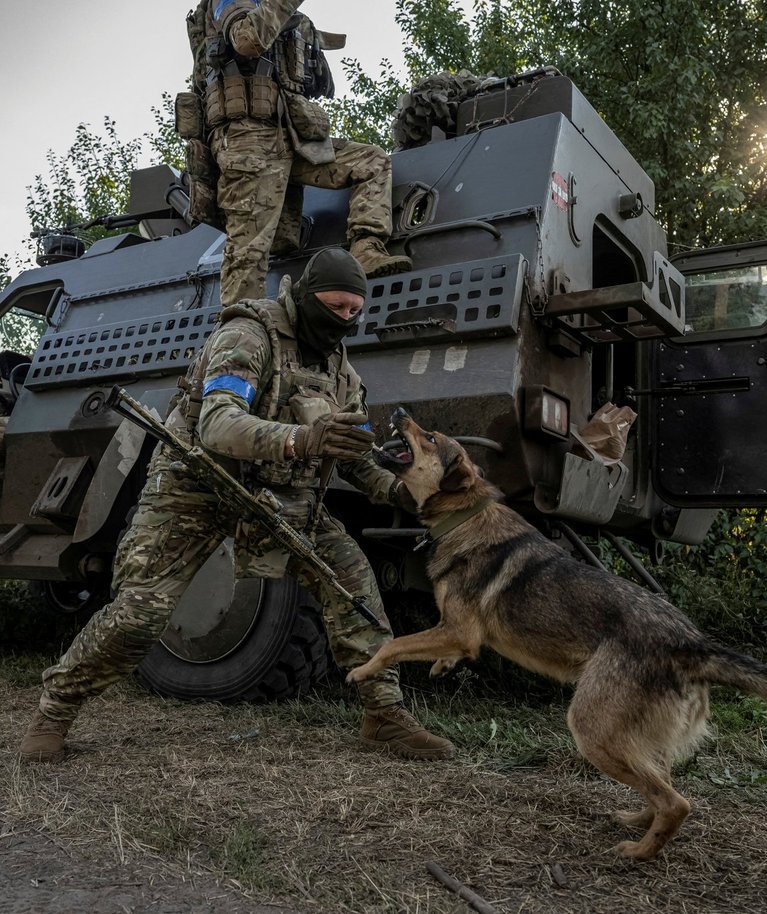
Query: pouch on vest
190, 120
262, 97
309, 405
203, 176
309, 120
214, 103
235, 96
315, 152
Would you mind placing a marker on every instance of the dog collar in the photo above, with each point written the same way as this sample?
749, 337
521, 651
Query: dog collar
450, 523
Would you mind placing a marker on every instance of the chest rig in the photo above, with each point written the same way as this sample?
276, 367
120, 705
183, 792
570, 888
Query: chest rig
300, 394
233, 86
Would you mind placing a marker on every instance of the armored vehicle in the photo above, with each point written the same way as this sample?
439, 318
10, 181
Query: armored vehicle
541, 288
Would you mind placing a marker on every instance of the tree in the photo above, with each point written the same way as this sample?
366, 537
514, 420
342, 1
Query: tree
682, 83
92, 178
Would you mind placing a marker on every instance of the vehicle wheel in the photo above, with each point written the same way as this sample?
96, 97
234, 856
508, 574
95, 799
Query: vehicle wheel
67, 597
253, 639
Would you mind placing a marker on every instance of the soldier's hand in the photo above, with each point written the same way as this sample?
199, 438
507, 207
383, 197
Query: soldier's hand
336, 435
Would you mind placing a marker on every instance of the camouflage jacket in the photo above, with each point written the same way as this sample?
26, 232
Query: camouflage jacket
239, 358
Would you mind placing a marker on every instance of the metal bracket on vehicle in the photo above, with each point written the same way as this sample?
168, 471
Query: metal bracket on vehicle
633, 311
588, 491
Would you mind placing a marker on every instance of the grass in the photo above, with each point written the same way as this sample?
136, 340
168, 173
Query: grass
277, 803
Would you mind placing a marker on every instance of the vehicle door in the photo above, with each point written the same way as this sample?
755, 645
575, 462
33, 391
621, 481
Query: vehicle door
709, 388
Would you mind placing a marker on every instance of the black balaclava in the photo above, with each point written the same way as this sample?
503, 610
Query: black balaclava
318, 329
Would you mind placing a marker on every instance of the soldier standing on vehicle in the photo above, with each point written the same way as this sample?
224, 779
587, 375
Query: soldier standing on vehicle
272, 394
255, 138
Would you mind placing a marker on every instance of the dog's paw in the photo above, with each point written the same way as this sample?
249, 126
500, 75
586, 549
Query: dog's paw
356, 675
634, 850
442, 667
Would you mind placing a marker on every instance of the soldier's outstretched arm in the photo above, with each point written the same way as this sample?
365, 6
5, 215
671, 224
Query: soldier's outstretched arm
252, 28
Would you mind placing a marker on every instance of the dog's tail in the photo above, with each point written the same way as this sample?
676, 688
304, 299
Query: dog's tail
719, 665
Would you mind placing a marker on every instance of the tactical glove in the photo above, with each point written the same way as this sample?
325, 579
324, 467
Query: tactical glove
334, 436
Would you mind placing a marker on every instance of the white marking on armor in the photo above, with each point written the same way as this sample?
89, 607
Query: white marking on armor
455, 358
459, 188
420, 361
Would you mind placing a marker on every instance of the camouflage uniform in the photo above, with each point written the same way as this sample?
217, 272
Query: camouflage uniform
178, 524
262, 159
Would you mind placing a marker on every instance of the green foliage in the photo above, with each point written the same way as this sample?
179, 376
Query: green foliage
20, 331
366, 114
5, 271
722, 583
92, 178
681, 83
166, 146
27, 620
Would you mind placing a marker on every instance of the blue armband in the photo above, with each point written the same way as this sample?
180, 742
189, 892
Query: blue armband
234, 385
222, 5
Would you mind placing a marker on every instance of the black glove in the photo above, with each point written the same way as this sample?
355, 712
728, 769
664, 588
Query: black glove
400, 497
334, 436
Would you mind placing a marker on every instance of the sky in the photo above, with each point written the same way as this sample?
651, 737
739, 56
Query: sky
66, 62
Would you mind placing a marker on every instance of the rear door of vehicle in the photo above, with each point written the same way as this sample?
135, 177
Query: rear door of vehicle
709, 388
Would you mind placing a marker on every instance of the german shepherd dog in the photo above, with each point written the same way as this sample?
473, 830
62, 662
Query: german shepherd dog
642, 668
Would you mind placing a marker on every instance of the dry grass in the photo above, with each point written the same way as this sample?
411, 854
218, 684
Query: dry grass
279, 803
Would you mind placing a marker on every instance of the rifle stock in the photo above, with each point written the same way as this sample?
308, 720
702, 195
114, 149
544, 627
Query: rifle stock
262, 507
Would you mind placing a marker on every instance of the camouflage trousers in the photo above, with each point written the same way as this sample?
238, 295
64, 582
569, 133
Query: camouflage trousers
177, 526
260, 193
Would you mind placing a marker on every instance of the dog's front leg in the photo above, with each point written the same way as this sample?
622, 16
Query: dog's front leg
433, 644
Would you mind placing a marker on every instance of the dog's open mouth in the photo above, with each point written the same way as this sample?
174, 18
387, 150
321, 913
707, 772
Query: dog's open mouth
394, 453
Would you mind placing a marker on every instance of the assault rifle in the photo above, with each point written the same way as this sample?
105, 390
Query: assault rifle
262, 507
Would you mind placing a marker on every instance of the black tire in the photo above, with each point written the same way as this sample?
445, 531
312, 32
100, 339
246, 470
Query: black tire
282, 655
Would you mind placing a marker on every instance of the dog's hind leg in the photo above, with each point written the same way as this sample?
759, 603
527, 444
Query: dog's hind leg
623, 740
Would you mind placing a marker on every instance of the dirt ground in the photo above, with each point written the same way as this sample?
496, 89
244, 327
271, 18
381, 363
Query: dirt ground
170, 808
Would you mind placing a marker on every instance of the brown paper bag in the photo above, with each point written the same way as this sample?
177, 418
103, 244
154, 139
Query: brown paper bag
605, 435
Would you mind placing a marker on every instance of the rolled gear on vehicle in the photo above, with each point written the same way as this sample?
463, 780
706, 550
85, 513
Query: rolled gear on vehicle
433, 102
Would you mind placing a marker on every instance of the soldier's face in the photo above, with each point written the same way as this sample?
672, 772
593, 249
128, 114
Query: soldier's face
345, 305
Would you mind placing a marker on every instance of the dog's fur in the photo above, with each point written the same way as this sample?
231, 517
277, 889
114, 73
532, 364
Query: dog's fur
642, 668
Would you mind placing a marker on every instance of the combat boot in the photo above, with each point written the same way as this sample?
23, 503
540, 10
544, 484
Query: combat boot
44, 739
395, 730
376, 260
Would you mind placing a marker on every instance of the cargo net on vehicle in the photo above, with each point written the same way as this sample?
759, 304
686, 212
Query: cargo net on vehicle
156, 346
475, 298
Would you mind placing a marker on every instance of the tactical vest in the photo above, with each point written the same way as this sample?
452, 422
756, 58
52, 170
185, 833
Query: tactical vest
304, 394
234, 87
297, 394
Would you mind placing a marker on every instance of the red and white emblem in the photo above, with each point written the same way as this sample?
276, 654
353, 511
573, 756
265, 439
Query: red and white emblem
559, 192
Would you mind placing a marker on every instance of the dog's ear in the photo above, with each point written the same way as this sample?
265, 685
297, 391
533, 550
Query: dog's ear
459, 474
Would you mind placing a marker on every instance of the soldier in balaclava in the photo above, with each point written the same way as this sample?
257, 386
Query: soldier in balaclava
273, 396
256, 137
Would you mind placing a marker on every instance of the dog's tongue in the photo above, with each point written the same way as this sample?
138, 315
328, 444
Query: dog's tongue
403, 456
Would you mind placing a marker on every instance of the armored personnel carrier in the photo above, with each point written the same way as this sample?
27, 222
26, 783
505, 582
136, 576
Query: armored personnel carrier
541, 288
